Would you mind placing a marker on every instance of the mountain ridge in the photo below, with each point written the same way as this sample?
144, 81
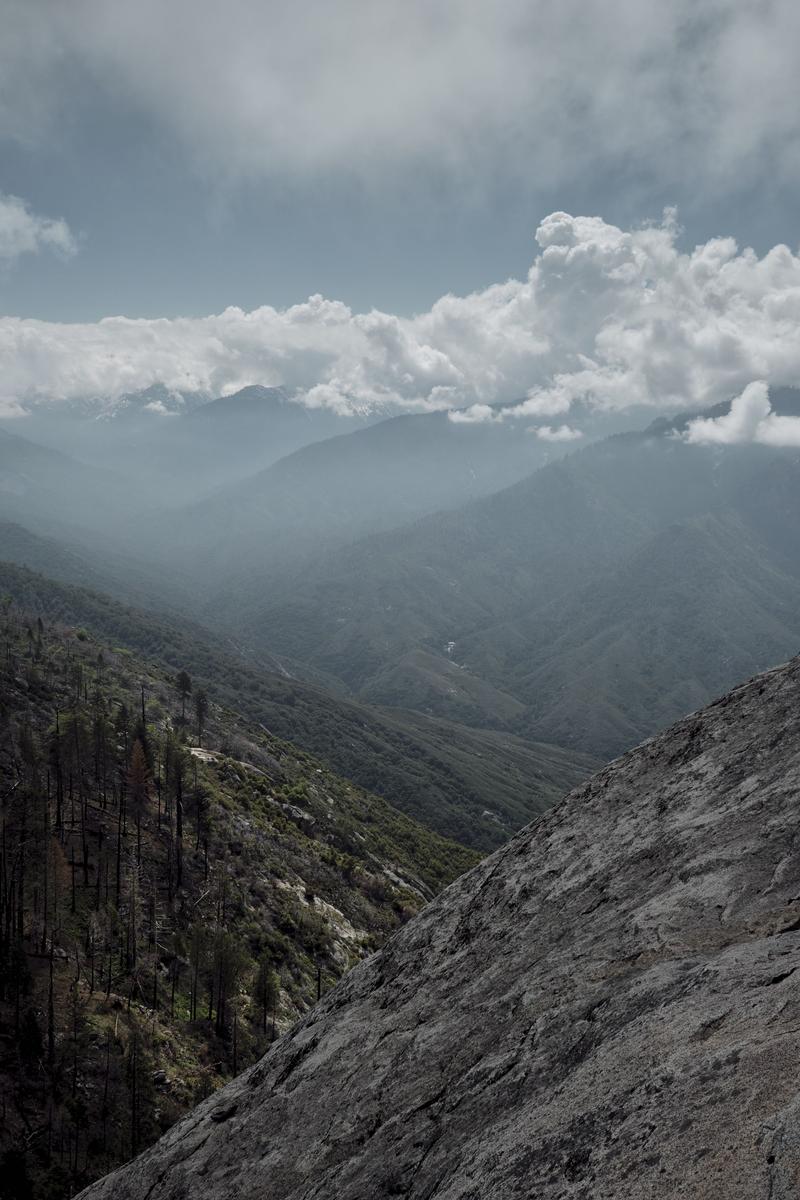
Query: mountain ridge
478, 784
490, 588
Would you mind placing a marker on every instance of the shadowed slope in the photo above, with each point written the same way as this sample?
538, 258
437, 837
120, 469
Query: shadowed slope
606, 1007
476, 785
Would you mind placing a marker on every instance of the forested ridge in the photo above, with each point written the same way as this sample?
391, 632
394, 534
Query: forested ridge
475, 786
177, 886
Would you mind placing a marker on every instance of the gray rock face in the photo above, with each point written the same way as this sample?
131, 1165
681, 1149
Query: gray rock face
608, 1007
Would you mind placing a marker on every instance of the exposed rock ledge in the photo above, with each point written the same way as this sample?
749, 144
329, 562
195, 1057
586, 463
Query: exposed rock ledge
607, 1007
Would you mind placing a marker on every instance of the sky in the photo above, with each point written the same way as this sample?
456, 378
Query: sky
178, 178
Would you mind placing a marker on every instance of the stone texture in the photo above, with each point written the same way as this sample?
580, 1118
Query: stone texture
608, 1007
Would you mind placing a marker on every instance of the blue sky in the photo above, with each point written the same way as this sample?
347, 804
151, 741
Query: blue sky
158, 238
383, 162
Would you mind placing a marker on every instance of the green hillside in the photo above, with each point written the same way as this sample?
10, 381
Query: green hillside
178, 886
700, 604
460, 782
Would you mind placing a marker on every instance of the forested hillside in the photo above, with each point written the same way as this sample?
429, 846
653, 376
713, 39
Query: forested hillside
177, 886
477, 786
588, 605
605, 1009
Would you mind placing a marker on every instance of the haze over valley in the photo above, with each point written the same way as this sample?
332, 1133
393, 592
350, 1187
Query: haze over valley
399, 596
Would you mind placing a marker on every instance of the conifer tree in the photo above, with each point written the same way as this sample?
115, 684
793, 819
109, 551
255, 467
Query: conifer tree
184, 685
138, 785
201, 712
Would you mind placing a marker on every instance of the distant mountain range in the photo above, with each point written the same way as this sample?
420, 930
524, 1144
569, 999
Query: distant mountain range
179, 447
466, 573
587, 605
49, 490
332, 491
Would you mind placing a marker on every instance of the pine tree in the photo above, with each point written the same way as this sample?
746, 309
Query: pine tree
184, 685
138, 790
201, 711
266, 991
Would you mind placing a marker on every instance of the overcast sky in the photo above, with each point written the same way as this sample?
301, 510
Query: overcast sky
175, 157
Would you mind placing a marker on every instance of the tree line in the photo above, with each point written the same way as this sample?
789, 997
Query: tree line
117, 919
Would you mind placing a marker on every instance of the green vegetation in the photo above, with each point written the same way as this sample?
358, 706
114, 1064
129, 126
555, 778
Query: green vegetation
165, 909
472, 785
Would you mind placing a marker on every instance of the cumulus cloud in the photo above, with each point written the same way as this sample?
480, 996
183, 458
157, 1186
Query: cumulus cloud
606, 318
160, 409
475, 414
750, 419
25, 232
255, 86
556, 433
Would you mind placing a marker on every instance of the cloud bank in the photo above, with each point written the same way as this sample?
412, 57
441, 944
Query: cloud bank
25, 232
254, 87
605, 318
750, 420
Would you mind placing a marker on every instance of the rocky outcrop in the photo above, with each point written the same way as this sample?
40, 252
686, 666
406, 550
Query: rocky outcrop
608, 1007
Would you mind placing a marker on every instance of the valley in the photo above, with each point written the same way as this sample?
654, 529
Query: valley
255, 718
399, 600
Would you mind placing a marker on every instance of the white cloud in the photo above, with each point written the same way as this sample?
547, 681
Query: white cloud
556, 433
160, 409
475, 414
25, 232
606, 319
750, 419
707, 92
